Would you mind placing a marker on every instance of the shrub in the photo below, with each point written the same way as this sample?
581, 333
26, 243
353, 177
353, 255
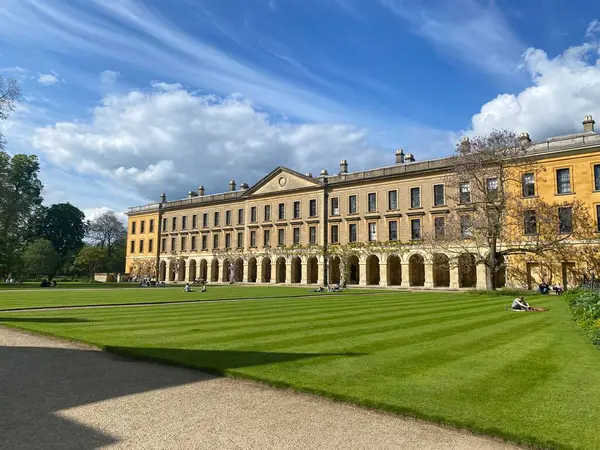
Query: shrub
585, 307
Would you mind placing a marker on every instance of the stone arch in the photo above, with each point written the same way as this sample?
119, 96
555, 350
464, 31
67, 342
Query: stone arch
239, 270
214, 270
334, 270
296, 270
181, 270
280, 270
373, 270
353, 270
441, 270
467, 271
416, 269
394, 270
252, 271
226, 278
312, 270
162, 271
192, 270
203, 270
266, 270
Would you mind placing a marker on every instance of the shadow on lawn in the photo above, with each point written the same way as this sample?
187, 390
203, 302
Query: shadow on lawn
43, 319
215, 362
38, 382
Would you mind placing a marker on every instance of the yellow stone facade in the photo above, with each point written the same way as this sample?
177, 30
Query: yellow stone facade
277, 230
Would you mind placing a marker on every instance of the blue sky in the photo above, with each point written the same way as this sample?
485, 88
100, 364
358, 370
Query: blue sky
125, 99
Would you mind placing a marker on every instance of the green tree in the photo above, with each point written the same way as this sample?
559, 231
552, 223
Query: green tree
20, 195
40, 258
89, 260
64, 225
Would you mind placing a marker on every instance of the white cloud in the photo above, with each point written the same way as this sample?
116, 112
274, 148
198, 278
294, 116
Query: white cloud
109, 77
170, 139
593, 29
465, 30
47, 79
564, 89
93, 213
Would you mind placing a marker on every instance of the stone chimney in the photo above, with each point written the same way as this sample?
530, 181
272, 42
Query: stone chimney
201, 191
524, 139
409, 158
163, 198
399, 156
192, 194
343, 166
244, 186
324, 173
588, 124
309, 175
232, 185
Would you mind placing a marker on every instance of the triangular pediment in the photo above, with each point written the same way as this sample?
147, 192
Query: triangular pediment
280, 180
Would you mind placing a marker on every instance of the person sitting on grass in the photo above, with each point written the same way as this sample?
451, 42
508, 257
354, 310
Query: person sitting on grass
187, 288
203, 283
519, 304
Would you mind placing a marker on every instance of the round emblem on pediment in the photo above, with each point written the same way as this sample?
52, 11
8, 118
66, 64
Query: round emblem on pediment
282, 181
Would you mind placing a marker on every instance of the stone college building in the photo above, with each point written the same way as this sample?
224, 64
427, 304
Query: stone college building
296, 228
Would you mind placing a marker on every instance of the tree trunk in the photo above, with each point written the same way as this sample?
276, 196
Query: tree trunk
491, 267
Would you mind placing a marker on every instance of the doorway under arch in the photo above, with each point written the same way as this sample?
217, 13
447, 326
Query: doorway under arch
353, 270
214, 270
312, 269
441, 270
416, 268
280, 270
252, 270
203, 270
296, 270
467, 271
394, 271
266, 270
162, 271
373, 270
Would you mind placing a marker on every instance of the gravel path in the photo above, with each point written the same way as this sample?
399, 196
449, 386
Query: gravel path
58, 395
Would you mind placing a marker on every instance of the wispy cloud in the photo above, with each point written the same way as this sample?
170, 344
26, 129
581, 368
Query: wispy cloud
133, 33
109, 77
47, 79
465, 30
593, 29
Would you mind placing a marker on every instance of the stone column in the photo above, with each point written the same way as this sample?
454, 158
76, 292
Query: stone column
220, 274
362, 274
428, 275
481, 273
288, 272
405, 270
383, 281
258, 271
304, 272
454, 277
246, 275
320, 273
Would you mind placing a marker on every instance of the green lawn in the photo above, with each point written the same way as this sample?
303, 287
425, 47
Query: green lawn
17, 299
28, 285
454, 358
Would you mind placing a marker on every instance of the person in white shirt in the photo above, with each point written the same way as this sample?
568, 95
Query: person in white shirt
187, 288
520, 304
